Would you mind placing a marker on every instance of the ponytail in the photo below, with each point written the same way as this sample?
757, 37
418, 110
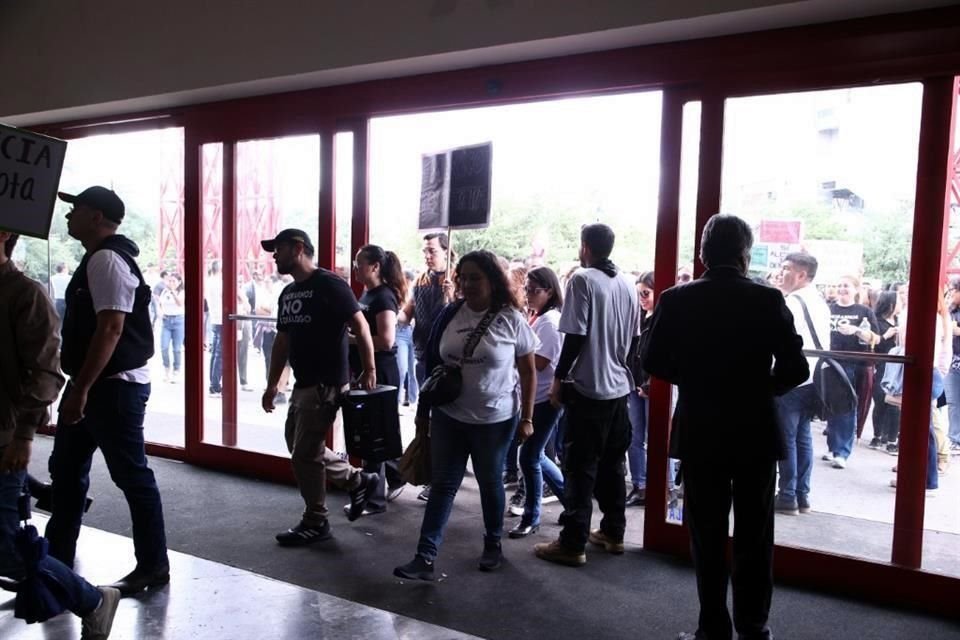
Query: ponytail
391, 271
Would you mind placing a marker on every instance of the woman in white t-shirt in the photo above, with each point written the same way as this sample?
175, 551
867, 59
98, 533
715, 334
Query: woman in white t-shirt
171, 335
544, 301
480, 423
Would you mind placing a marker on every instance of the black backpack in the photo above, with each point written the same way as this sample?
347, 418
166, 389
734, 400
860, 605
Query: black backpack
834, 390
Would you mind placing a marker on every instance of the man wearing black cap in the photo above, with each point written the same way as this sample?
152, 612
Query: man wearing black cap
313, 314
107, 342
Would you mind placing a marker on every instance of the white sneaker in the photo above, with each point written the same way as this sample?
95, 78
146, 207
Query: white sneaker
955, 448
933, 493
827, 457
839, 463
97, 624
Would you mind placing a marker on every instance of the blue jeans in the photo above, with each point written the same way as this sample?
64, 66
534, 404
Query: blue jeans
81, 594
536, 466
842, 429
114, 424
637, 410
451, 443
171, 335
796, 409
216, 359
407, 362
937, 387
952, 388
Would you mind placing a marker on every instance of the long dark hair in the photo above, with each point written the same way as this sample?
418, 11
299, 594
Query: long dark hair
546, 278
501, 294
886, 303
646, 279
391, 271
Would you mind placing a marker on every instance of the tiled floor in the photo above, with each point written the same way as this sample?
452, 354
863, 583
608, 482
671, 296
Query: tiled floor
207, 601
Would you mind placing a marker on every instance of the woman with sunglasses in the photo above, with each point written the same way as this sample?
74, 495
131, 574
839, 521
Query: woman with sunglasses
384, 289
544, 301
637, 405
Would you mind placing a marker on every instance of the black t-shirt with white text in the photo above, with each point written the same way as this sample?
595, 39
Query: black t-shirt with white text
852, 315
372, 304
314, 314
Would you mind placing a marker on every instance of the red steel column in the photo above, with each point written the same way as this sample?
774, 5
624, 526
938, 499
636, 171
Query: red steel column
711, 169
932, 193
657, 534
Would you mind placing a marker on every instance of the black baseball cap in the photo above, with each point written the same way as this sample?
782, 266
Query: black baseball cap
99, 198
288, 235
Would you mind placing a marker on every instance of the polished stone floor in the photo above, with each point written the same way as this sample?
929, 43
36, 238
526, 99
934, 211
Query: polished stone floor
206, 601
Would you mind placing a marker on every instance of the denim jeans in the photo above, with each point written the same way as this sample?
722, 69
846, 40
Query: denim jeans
451, 443
637, 409
796, 410
951, 385
216, 359
171, 336
595, 445
114, 424
83, 596
407, 362
937, 387
842, 429
536, 466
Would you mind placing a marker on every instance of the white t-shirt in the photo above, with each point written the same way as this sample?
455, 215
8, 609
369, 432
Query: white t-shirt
547, 330
58, 285
168, 303
819, 314
603, 309
490, 376
113, 287
213, 293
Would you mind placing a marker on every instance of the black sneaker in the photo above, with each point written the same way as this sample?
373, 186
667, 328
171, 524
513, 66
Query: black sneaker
786, 506
893, 449
417, 569
548, 495
360, 495
517, 503
491, 558
637, 497
875, 443
510, 478
803, 504
304, 534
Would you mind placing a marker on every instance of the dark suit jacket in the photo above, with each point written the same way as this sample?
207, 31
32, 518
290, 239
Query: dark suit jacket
717, 339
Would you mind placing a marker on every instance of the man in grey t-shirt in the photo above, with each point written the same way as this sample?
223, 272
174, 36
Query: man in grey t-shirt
599, 323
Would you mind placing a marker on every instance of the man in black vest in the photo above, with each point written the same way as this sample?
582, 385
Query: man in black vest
725, 429
107, 343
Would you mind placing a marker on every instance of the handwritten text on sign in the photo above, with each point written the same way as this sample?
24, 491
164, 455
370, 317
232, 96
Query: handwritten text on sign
30, 166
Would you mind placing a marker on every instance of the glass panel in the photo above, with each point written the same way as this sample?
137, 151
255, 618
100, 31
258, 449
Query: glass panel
277, 185
833, 173
146, 170
343, 205
689, 178
942, 516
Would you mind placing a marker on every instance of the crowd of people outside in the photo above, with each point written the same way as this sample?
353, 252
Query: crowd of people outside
554, 377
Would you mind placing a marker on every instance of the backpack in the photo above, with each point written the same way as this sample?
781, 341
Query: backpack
833, 389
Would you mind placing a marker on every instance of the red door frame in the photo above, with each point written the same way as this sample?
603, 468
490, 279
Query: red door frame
905, 47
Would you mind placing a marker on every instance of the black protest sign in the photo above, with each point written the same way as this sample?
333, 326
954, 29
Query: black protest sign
455, 188
470, 186
433, 191
30, 166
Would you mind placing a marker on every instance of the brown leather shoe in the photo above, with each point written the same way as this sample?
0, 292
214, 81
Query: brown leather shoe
556, 552
610, 545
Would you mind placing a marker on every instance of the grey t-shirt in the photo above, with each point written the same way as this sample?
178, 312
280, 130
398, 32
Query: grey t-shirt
603, 309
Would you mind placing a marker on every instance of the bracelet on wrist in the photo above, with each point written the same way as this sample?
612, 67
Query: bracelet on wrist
522, 420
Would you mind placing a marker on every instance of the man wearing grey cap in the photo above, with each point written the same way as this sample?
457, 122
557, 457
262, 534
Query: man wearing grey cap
313, 314
107, 343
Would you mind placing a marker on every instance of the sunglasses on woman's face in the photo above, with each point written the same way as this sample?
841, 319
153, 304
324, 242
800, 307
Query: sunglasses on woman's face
645, 293
533, 289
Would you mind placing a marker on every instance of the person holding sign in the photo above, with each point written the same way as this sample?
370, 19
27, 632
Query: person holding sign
29, 382
430, 293
107, 344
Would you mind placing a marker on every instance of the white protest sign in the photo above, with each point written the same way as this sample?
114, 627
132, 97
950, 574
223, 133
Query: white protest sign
30, 166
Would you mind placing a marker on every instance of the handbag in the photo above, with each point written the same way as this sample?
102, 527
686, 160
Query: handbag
445, 382
415, 464
835, 394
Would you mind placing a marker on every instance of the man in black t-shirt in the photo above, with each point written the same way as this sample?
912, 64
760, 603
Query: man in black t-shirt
313, 314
